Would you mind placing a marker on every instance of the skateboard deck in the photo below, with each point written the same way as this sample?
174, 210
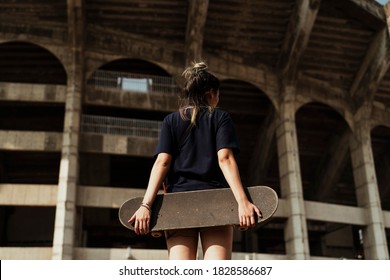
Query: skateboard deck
196, 209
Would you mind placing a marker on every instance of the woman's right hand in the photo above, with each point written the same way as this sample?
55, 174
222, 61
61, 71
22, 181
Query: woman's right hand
141, 217
141, 220
248, 214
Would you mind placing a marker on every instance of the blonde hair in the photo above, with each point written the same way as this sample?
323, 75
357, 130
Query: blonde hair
198, 83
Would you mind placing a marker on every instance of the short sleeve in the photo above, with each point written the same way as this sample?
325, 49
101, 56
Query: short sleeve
166, 143
226, 134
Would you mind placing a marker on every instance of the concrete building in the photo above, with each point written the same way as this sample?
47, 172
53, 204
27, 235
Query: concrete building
84, 86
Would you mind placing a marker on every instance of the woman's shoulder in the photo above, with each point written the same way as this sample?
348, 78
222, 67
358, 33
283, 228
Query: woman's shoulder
172, 116
220, 113
173, 120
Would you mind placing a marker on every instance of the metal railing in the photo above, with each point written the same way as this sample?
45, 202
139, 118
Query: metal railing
140, 83
120, 126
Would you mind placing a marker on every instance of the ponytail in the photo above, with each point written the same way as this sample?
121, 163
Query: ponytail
198, 84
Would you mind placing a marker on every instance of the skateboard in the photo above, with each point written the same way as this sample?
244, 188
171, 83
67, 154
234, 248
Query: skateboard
197, 209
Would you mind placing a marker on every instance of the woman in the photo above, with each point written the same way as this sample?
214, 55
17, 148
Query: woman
196, 152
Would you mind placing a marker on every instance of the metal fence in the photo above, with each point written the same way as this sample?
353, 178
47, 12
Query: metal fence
120, 126
140, 83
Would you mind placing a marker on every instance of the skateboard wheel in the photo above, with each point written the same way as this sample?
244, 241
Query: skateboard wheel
242, 228
156, 234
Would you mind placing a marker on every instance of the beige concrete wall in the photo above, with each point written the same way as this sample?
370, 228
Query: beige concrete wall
25, 253
30, 141
46, 195
116, 144
97, 143
32, 195
130, 100
32, 92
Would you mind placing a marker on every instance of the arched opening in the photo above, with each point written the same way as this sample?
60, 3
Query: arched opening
22, 62
27, 73
324, 154
326, 172
26, 63
126, 86
125, 99
118, 119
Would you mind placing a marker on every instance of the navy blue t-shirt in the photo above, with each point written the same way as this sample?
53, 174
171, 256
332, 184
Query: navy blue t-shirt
195, 164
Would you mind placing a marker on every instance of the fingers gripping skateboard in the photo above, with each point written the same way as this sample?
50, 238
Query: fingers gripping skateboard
155, 234
259, 220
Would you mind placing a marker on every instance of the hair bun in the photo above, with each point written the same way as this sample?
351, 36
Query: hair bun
195, 70
198, 67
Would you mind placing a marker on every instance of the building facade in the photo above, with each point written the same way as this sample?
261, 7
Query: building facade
84, 86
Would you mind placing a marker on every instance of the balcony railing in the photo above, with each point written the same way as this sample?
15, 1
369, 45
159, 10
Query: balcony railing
120, 126
140, 83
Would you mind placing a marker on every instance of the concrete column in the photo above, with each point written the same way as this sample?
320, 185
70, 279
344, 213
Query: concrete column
197, 14
374, 236
296, 236
65, 220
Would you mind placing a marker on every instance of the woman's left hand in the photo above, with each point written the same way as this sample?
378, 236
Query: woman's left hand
141, 219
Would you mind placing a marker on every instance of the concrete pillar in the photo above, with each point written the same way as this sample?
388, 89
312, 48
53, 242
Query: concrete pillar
197, 13
65, 219
374, 236
296, 236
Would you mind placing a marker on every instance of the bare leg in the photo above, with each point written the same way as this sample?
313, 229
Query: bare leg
217, 243
182, 244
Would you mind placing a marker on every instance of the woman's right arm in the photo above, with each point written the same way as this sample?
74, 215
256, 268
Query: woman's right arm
141, 217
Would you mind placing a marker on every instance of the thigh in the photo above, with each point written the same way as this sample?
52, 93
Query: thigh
217, 243
182, 244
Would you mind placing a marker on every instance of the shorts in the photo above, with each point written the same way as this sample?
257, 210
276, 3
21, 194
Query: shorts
189, 232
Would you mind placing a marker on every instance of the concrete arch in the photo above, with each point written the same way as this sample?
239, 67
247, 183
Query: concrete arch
117, 75
338, 106
57, 65
380, 116
261, 76
59, 52
102, 63
229, 79
255, 86
134, 66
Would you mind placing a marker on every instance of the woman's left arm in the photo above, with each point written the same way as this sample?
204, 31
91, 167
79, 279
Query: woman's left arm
246, 209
